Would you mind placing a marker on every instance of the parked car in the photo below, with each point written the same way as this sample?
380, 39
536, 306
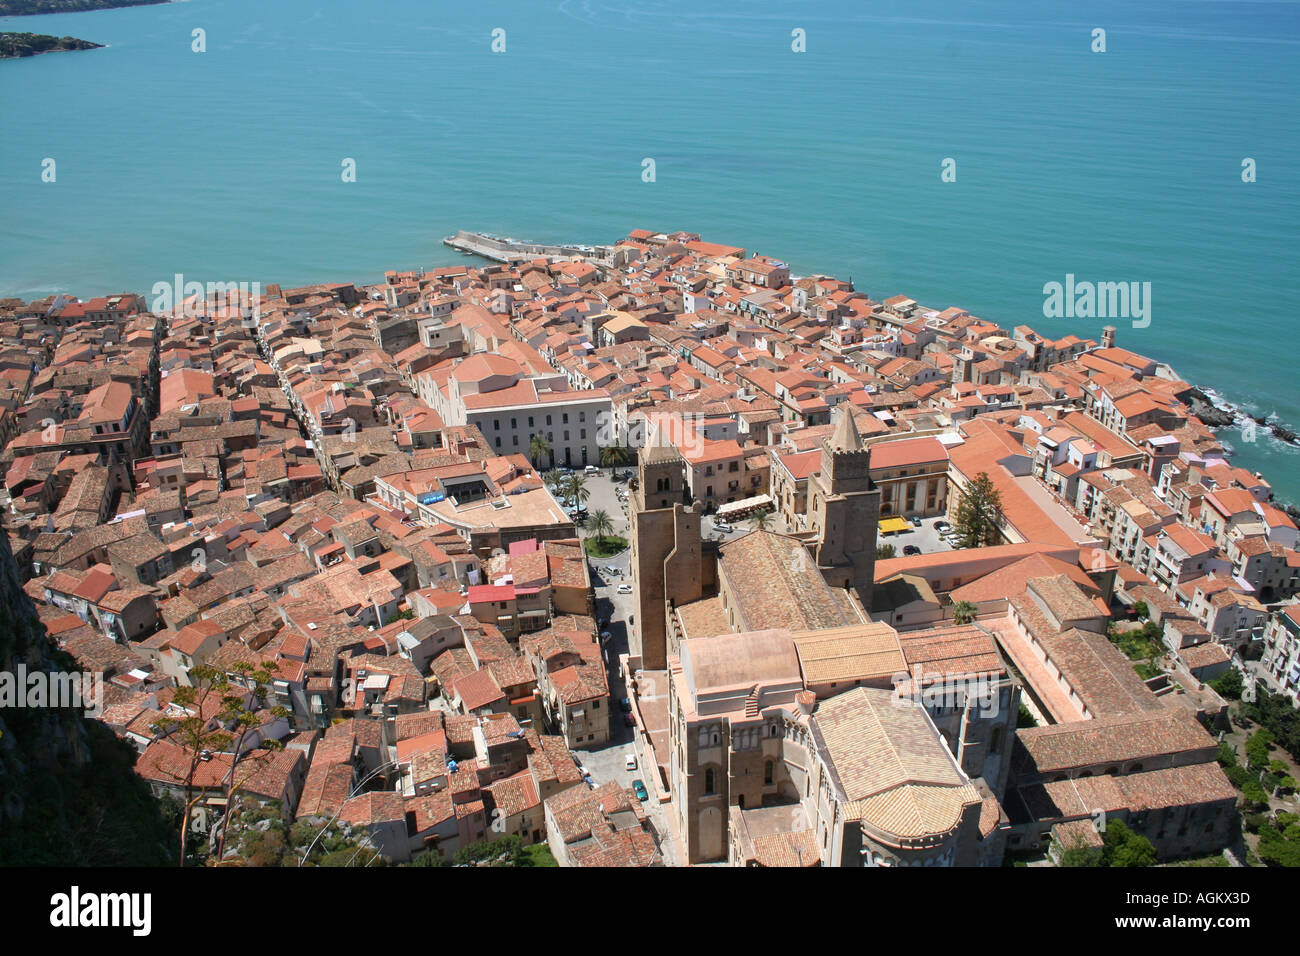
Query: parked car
592, 470
722, 526
605, 636
625, 703
610, 569
638, 787
629, 720
630, 762
916, 521
911, 549
625, 589
584, 771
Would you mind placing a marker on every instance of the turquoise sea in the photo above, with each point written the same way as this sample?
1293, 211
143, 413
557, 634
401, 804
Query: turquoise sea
1116, 166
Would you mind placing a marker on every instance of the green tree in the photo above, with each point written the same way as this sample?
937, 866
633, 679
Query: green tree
428, 858
1276, 713
1237, 775
1257, 748
256, 681
217, 712
963, 612
539, 448
1253, 797
1141, 609
576, 489
1227, 756
884, 552
1080, 854
1278, 848
613, 456
599, 523
979, 513
1123, 847
761, 520
1024, 718
505, 851
1230, 685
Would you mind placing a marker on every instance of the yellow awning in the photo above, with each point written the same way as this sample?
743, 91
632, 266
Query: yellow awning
893, 525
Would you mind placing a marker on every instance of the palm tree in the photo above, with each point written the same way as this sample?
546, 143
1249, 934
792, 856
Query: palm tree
577, 489
612, 456
599, 523
761, 519
537, 447
963, 612
554, 481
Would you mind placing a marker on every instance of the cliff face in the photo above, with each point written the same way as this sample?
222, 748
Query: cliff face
68, 795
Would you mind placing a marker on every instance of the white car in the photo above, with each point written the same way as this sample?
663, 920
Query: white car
630, 762
625, 589
722, 526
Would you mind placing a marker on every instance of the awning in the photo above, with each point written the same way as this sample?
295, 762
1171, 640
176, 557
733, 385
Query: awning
893, 525
744, 506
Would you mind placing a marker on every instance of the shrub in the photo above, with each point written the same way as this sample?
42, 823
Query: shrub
1227, 756
1230, 685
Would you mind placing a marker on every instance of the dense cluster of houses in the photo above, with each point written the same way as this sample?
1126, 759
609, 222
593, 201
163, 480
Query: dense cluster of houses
346, 484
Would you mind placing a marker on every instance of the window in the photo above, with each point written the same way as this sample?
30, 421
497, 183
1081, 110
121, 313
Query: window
513, 423
548, 421
595, 705
530, 421
767, 773
582, 416
708, 781
566, 418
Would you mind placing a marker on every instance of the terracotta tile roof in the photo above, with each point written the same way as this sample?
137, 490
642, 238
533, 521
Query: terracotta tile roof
889, 764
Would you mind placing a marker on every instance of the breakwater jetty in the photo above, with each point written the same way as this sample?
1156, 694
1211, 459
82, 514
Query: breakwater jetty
505, 249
